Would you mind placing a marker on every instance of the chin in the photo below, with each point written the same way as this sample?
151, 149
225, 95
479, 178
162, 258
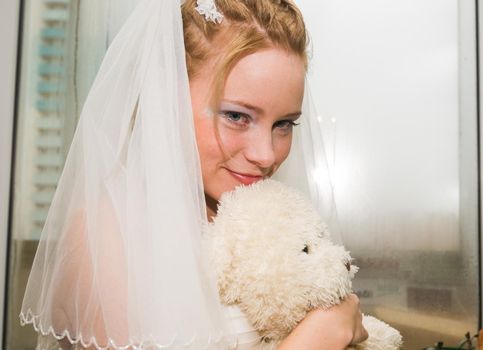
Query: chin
219, 187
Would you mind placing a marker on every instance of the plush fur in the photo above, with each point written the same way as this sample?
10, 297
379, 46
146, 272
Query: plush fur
274, 259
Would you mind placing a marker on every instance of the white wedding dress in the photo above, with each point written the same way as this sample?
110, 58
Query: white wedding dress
247, 337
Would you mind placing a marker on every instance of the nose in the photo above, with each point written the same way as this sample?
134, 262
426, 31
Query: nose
260, 150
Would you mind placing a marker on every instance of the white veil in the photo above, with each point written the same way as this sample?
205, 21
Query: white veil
307, 168
119, 263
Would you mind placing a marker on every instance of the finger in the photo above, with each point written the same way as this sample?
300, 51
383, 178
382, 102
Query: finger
360, 333
355, 299
359, 336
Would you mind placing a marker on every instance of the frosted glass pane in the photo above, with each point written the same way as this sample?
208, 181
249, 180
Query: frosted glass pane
53, 83
389, 78
63, 42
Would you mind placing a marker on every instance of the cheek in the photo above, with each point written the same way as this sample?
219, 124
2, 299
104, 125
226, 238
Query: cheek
206, 140
215, 145
218, 140
281, 148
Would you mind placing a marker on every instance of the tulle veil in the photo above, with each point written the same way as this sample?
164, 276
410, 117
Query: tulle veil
119, 263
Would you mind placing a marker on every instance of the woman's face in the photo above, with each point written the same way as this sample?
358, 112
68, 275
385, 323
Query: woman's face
249, 135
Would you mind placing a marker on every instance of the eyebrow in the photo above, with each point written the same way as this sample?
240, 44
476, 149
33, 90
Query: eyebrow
260, 110
246, 105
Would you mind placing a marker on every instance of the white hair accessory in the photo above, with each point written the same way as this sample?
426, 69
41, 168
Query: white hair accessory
208, 9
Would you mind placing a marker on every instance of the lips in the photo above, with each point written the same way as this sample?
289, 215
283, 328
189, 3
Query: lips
245, 179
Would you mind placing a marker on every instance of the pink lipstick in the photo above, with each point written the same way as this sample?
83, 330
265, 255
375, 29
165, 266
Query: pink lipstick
245, 178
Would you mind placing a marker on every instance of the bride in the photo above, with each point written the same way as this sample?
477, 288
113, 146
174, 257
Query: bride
190, 102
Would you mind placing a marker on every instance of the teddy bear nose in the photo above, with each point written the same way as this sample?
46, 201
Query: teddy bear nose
348, 265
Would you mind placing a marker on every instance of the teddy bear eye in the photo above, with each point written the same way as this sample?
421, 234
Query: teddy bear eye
306, 249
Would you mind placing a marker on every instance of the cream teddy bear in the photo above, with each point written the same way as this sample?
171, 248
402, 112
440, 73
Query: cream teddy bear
275, 261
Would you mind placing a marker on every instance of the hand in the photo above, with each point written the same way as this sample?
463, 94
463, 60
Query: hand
350, 314
333, 329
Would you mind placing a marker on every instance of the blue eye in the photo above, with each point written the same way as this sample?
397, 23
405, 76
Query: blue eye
236, 118
285, 124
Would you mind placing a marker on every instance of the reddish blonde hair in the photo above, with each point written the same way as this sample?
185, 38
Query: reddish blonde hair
247, 26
